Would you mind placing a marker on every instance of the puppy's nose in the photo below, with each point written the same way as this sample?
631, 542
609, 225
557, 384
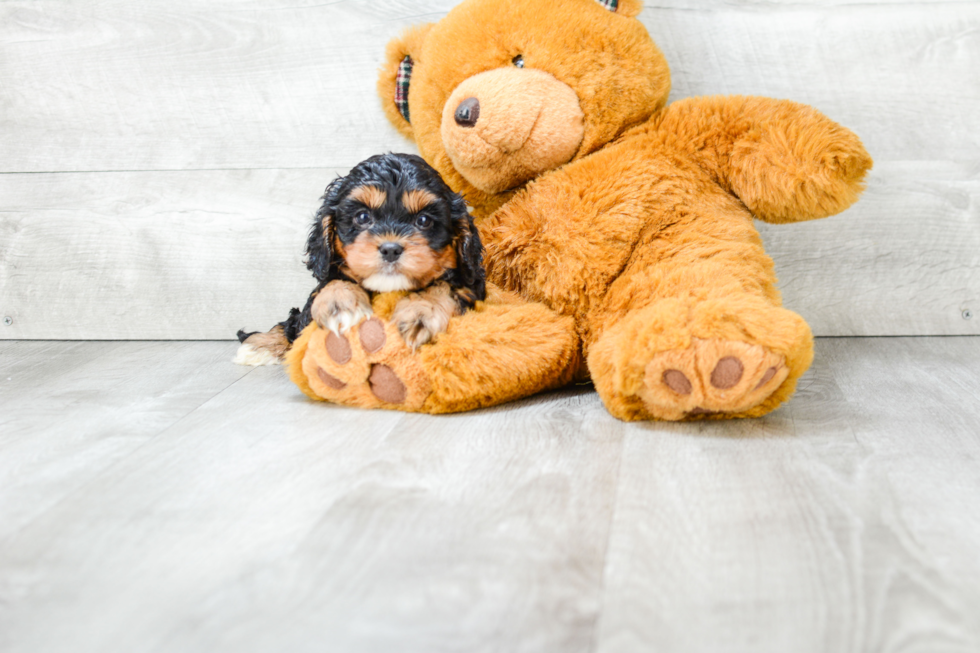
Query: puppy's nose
468, 112
391, 251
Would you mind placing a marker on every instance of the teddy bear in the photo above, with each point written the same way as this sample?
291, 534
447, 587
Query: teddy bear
618, 228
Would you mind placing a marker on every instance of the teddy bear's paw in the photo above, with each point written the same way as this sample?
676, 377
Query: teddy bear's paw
369, 366
711, 377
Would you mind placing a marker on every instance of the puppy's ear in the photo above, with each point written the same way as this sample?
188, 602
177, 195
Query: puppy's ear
394, 78
319, 247
469, 251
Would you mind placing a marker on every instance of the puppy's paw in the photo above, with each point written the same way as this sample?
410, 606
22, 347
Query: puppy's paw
419, 322
420, 316
340, 305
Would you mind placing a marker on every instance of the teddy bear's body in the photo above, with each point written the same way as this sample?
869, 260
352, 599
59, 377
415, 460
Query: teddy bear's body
628, 216
645, 243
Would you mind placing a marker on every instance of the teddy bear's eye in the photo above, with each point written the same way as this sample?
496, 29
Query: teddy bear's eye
518, 61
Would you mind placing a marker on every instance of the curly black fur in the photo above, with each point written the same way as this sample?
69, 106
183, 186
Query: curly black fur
334, 223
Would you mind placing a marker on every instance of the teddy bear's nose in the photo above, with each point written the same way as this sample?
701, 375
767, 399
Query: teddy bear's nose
468, 112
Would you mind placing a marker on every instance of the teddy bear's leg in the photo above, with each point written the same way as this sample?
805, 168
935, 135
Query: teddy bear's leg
680, 358
504, 350
694, 328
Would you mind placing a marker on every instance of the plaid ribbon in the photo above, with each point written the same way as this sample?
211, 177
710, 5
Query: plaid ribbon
611, 5
402, 79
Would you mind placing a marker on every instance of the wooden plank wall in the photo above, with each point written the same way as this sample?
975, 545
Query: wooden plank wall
161, 160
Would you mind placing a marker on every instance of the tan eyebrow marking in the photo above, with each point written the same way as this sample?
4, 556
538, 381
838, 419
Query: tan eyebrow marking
370, 196
417, 199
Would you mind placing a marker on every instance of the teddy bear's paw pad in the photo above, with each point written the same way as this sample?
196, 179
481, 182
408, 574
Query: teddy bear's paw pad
738, 375
372, 335
727, 373
678, 382
386, 386
337, 348
672, 386
329, 380
369, 366
711, 377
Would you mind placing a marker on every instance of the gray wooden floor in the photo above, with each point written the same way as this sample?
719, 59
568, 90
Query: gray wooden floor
155, 497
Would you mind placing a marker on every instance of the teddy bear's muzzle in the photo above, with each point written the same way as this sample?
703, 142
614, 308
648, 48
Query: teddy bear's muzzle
505, 126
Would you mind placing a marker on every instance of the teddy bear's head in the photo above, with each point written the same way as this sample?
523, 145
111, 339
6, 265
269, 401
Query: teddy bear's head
499, 91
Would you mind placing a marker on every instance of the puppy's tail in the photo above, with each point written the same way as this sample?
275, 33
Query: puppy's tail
259, 348
243, 336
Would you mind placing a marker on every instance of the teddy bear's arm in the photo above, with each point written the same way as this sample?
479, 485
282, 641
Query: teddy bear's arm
565, 238
785, 161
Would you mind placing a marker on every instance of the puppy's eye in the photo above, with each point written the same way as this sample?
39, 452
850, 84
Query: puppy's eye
518, 61
362, 219
423, 222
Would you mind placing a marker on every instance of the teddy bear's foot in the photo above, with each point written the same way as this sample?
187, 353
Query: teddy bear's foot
368, 366
711, 377
503, 349
737, 356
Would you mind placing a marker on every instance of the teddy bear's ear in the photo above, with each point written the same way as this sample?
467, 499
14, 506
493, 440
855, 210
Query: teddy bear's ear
628, 8
395, 76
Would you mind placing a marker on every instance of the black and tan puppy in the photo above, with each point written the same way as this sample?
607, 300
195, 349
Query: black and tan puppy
391, 224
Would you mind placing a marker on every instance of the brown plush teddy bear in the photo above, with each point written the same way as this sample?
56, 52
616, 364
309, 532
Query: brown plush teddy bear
619, 228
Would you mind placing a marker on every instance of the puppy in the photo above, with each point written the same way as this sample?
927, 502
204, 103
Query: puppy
391, 224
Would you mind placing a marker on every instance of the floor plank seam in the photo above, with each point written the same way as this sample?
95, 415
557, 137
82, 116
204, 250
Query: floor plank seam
197, 408
601, 590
